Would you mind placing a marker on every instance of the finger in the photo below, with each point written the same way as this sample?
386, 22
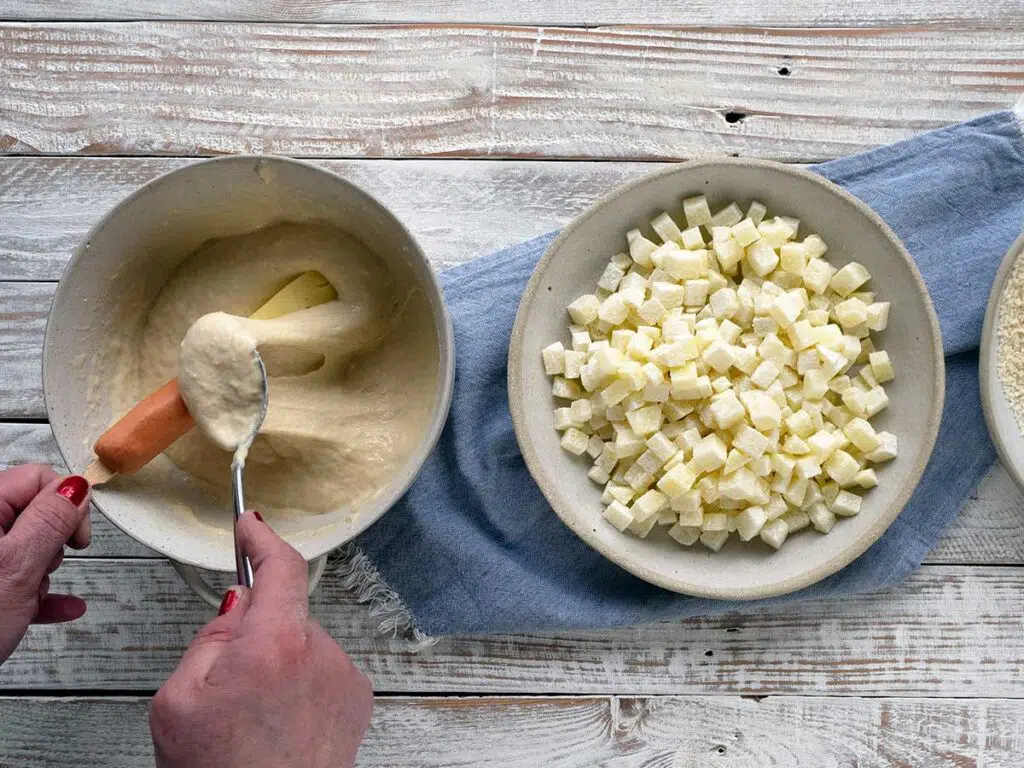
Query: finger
82, 537
210, 641
281, 576
58, 609
44, 527
18, 486
56, 562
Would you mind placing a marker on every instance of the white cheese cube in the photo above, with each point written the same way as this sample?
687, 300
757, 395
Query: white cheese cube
686, 265
709, 489
793, 258
886, 449
640, 248
575, 441
567, 390
620, 493
661, 446
786, 308
745, 232
692, 239
842, 467
849, 279
613, 310
643, 528
580, 337
750, 441
677, 481
580, 410
822, 445
774, 533
728, 216
553, 356
845, 504
595, 447
875, 401
765, 414
796, 490
817, 317
720, 356
715, 521
817, 275
695, 292
765, 373
881, 366
714, 540
649, 462
618, 515
851, 312
772, 348
756, 212
750, 521
828, 336
696, 211
637, 478
796, 520
666, 228
807, 360
685, 534
832, 363
726, 410
729, 253
762, 258
740, 485
709, 454
735, 459
866, 478
855, 401
878, 316
807, 468
815, 385
598, 475
862, 435
801, 335
584, 310
669, 295
611, 277
573, 362
773, 233
645, 421
650, 503
563, 418
815, 246
724, 303
821, 517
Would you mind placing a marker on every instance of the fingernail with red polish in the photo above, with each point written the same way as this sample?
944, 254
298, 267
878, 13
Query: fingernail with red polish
74, 489
258, 516
230, 601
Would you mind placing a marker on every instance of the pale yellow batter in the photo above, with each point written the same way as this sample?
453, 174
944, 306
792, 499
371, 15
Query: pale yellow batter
352, 383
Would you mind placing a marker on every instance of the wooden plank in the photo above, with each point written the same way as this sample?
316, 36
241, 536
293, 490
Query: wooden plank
989, 530
579, 732
947, 632
705, 13
457, 209
427, 90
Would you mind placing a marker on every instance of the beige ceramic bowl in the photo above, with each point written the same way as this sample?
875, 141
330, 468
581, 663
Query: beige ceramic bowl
573, 264
113, 279
1002, 425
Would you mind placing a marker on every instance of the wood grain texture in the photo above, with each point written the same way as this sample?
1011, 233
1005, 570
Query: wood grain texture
456, 209
705, 13
579, 732
426, 90
947, 632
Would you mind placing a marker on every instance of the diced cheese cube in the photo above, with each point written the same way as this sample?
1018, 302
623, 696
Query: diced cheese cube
807, 467
801, 335
729, 253
649, 462
786, 308
750, 521
638, 478
756, 212
611, 277
745, 232
595, 447
645, 421
696, 211
553, 356
563, 418
618, 515
862, 435
714, 540
651, 311
686, 265
773, 233
685, 534
727, 410
796, 520
613, 310
823, 444
875, 401
598, 475
581, 410
817, 317
832, 363
815, 246
740, 485
796, 490
669, 295
881, 366
795, 445
575, 441
661, 446
692, 239
762, 258
849, 279
750, 441
821, 517
640, 248
650, 503
764, 412
793, 258
815, 384
715, 521
677, 481
851, 312
728, 216
695, 292
774, 533
724, 303
643, 528
584, 310
842, 467
878, 315
886, 449
573, 362
666, 228
866, 478
567, 390
845, 504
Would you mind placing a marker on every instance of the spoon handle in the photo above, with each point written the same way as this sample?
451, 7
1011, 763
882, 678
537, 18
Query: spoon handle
242, 565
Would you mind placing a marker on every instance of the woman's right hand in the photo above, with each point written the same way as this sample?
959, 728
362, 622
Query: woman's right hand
262, 684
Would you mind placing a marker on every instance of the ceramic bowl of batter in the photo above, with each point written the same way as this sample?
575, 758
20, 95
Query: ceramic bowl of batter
573, 264
111, 284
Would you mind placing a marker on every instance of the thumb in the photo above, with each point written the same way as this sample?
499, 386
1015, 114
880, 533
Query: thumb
44, 527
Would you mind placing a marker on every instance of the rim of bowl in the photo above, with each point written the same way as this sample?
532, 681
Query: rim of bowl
989, 348
446, 345
682, 585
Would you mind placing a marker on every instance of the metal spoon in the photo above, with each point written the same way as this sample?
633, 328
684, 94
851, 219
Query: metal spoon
242, 564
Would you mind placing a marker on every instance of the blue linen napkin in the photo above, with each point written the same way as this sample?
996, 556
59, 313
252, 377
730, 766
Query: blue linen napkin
474, 547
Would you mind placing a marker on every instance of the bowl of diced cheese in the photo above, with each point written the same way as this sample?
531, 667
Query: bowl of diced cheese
727, 377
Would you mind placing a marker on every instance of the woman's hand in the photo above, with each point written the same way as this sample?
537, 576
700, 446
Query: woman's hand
262, 684
39, 514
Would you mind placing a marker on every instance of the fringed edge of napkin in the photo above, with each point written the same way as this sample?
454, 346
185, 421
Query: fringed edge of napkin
360, 577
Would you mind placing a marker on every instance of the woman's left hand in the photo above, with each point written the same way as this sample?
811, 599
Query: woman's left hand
39, 514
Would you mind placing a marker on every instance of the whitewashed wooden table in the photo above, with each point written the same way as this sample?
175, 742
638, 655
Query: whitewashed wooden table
482, 124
